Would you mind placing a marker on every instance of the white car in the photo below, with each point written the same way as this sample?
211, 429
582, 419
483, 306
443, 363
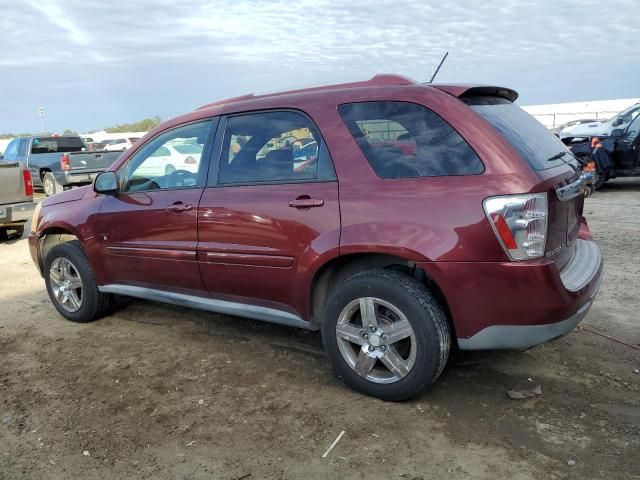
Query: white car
169, 158
602, 128
121, 144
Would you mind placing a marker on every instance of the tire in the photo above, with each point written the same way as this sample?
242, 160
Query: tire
19, 230
600, 181
398, 299
92, 303
50, 185
4, 235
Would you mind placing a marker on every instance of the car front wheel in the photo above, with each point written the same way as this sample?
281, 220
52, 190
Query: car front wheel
71, 284
385, 334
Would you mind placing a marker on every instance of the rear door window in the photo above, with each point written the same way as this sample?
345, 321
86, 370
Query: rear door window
273, 147
407, 140
535, 144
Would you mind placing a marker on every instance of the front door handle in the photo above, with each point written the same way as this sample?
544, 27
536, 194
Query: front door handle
180, 207
305, 202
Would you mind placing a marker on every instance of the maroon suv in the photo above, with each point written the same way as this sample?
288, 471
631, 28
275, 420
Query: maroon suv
400, 219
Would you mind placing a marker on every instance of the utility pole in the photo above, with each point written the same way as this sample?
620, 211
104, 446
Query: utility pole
42, 114
446, 54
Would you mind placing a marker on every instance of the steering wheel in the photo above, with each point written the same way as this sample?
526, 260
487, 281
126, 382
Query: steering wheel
182, 178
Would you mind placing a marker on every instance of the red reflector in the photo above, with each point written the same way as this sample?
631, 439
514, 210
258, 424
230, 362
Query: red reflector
190, 161
590, 167
28, 184
504, 232
65, 163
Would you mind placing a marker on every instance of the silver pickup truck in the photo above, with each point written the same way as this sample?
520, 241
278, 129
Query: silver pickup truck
16, 199
58, 162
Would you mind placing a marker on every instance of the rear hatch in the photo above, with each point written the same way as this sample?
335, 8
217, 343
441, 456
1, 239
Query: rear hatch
12, 188
549, 157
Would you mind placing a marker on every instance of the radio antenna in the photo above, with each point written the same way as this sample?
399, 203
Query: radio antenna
439, 65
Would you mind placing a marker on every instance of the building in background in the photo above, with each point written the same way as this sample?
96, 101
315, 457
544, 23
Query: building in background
557, 114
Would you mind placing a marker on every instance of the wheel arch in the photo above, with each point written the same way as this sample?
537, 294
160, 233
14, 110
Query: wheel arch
339, 268
52, 236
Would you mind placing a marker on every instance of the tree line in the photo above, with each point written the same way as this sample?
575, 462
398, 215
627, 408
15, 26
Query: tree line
141, 126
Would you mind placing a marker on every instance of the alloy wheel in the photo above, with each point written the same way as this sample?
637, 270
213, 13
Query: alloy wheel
376, 340
66, 284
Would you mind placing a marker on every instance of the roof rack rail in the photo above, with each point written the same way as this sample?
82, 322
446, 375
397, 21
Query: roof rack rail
379, 80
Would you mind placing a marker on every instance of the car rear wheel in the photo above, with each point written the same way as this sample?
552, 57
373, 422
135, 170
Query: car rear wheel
50, 185
385, 334
71, 284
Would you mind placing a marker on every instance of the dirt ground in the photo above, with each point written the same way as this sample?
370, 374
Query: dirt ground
158, 392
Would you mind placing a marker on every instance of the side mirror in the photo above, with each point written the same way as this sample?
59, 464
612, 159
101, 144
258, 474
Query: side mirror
617, 132
617, 121
106, 183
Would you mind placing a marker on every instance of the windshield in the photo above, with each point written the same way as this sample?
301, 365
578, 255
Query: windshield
535, 144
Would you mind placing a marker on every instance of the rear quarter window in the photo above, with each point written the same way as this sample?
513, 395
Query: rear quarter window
407, 140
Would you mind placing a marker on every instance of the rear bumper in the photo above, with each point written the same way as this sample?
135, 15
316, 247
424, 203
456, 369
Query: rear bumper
517, 305
16, 213
69, 178
517, 337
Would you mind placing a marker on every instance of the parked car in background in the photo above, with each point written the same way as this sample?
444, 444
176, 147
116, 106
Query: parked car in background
171, 158
466, 238
558, 130
58, 162
121, 144
16, 198
602, 127
623, 146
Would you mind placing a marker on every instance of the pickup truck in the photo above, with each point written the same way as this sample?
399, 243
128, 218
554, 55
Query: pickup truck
623, 146
58, 163
16, 198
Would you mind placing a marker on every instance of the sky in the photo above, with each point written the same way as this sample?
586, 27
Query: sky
97, 64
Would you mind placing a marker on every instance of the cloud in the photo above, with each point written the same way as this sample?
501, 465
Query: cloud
247, 45
54, 13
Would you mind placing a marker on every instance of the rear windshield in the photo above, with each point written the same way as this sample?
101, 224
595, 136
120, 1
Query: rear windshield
530, 138
56, 144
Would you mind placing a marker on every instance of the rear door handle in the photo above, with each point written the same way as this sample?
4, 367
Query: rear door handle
180, 207
306, 203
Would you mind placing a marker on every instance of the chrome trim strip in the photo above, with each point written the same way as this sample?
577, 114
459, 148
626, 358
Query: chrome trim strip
572, 190
255, 312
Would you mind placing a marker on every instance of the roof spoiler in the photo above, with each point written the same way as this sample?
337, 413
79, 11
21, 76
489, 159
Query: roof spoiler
463, 91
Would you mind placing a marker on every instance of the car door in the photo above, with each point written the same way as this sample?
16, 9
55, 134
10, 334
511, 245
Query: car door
627, 155
149, 230
263, 222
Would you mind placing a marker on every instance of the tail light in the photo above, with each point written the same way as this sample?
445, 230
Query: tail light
65, 162
28, 183
190, 161
520, 223
590, 167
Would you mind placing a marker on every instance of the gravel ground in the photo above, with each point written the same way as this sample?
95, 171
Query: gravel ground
164, 392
